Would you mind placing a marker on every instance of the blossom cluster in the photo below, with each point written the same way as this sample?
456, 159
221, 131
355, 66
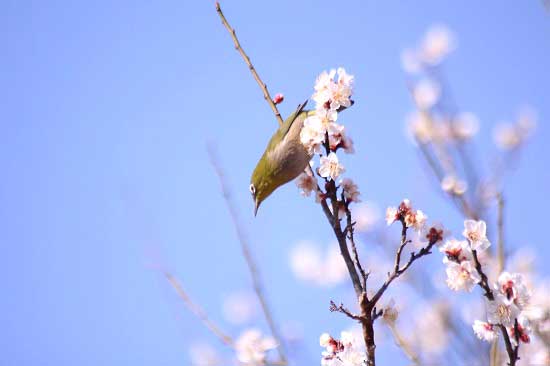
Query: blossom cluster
459, 260
323, 135
341, 352
511, 298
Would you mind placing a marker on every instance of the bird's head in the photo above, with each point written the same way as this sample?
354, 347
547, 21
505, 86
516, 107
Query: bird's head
262, 184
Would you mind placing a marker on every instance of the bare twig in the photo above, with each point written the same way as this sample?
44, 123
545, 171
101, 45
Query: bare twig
198, 311
246, 59
402, 343
341, 309
245, 247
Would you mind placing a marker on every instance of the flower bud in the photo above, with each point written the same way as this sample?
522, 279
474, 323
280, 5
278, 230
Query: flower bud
278, 98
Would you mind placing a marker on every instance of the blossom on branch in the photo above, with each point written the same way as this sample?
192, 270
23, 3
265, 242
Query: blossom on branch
330, 167
501, 311
476, 233
512, 286
351, 191
485, 331
306, 183
343, 352
462, 276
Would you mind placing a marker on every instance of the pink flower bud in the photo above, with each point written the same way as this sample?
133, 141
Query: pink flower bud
278, 98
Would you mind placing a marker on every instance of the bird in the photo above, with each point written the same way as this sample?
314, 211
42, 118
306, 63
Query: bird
284, 158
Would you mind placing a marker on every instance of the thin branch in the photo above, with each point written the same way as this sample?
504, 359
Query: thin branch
401, 343
341, 309
245, 247
246, 59
198, 311
350, 230
398, 270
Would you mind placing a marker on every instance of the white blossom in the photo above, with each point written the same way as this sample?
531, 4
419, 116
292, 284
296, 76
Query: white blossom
462, 276
306, 183
453, 185
251, 347
438, 42
465, 126
391, 215
335, 93
485, 331
512, 286
330, 167
351, 191
312, 134
501, 311
416, 219
476, 233
426, 93
456, 250
343, 352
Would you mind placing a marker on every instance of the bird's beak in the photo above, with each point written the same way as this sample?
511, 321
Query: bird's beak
256, 205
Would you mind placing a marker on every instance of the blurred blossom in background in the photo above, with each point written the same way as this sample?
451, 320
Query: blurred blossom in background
107, 108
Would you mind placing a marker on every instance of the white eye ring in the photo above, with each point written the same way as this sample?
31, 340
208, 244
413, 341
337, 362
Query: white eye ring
252, 189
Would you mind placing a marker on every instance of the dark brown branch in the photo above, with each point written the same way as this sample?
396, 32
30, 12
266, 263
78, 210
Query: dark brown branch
349, 231
245, 247
398, 270
341, 309
246, 59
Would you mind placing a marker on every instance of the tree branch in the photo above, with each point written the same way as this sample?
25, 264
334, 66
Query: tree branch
246, 59
245, 247
198, 311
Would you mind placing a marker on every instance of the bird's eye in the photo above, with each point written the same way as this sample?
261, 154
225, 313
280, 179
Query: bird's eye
252, 189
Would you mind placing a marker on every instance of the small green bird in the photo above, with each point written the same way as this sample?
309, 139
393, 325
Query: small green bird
283, 160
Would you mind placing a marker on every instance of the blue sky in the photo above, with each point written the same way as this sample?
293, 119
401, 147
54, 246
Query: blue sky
107, 108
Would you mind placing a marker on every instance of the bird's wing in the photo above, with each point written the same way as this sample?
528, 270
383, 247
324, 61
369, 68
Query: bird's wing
280, 134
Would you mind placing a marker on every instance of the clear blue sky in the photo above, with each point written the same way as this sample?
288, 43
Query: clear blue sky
105, 111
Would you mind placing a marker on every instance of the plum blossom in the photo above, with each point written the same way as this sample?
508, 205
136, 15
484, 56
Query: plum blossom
465, 126
485, 331
476, 233
453, 185
520, 333
501, 311
438, 42
331, 92
330, 167
306, 183
426, 93
312, 134
416, 219
456, 251
462, 276
512, 286
251, 347
343, 352
351, 191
